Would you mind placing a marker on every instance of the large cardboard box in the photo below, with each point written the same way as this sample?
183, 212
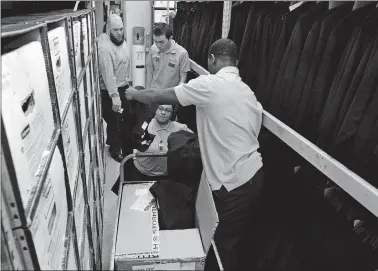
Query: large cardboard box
71, 148
85, 38
26, 110
61, 66
82, 102
87, 157
141, 246
76, 33
79, 210
71, 261
89, 86
85, 251
49, 225
90, 41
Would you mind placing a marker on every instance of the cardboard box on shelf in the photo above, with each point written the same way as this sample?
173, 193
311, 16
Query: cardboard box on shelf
79, 209
95, 232
87, 157
89, 86
84, 249
85, 38
83, 113
61, 66
90, 41
76, 33
147, 248
27, 112
48, 227
71, 261
71, 148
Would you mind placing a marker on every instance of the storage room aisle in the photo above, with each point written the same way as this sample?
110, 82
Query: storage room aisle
110, 206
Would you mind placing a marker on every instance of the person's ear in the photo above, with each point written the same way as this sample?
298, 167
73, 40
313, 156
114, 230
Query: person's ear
212, 59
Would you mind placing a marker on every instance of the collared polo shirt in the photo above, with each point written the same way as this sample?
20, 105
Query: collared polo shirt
229, 119
157, 166
114, 64
166, 67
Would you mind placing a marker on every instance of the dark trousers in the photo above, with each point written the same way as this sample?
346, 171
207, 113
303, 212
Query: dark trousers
234, 210
117, 129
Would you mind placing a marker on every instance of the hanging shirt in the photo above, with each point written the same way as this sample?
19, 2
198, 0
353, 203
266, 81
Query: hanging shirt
114, 64
157, 166
229, 120
166, 67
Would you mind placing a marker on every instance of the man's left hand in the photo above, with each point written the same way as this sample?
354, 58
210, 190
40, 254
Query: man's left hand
129, 93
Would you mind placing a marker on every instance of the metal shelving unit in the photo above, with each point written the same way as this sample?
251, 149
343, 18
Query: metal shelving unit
42, 226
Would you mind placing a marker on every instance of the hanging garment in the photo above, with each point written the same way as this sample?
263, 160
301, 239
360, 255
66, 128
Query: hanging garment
360, 44
288, 22
314, 39
363, 68
328, 25
271, 32
335, 47
289, 64
239, 16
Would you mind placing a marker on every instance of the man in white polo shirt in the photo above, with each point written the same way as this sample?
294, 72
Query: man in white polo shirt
228, 122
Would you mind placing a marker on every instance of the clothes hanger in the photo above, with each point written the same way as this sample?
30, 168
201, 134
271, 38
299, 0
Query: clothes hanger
360, 4
237, 3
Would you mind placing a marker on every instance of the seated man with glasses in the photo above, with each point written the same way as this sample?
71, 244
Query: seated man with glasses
149, 168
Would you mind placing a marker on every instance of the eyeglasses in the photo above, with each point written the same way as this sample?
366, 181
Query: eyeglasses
168, 110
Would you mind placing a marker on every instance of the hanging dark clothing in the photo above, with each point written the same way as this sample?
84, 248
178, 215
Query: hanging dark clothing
288, 22
315, 39
359, 44
289, 63
334, 50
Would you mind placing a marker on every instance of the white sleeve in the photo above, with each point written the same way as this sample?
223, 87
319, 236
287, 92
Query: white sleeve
197, 92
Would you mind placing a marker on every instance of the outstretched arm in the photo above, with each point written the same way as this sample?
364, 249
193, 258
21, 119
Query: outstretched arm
153, 96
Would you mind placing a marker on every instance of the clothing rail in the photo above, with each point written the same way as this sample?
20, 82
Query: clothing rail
358, 188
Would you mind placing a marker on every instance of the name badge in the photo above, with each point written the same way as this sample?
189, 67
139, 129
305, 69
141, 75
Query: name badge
171, 64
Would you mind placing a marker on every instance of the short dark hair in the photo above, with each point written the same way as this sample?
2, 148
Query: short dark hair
224, 48
162, 29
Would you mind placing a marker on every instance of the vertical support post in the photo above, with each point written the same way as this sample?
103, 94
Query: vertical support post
227, 5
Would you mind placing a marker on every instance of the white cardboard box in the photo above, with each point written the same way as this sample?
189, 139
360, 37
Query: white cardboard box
85, 38
87, 157
83, 113
136, 247
89, 86
90, 31
77, 45
26, 110
79, 210
48, 227
71, 148
61, 66
71, 261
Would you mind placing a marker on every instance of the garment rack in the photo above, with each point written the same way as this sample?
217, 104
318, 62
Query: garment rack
354, 185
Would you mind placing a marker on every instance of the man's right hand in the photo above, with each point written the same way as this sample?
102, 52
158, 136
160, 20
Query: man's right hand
116, 100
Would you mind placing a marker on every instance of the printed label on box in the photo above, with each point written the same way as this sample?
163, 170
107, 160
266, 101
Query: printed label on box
83, 113
60, 65
71, 150
26, 112
49, 225
77, 46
